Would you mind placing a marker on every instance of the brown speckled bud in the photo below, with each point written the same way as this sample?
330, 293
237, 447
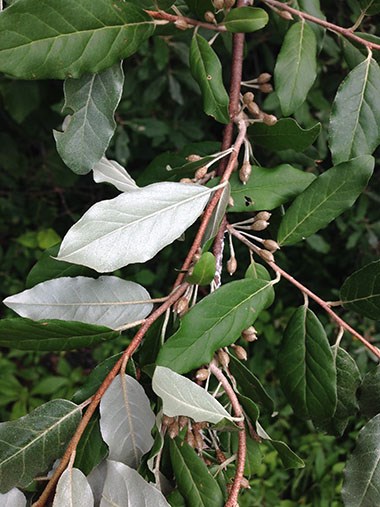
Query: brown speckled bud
271, 245
265, 77
263, 215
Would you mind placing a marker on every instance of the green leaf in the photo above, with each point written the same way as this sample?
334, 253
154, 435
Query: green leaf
348, 380
207, 71
245, 19
26, 334
355, 117
204, 270
362, 474
253, 457
91, 449
90, 102
370, 7
283, 135
199, 7
296, 67
215, 322
55, 39
44, 433
369, 399
250, 408
268, 189
194, 481
47, 268
313, 7
288, 457
256, 270
361, 291
306, 367
250, 386
326, 198
181, 396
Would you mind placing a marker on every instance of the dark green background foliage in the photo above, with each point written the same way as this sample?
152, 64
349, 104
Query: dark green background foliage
160, 115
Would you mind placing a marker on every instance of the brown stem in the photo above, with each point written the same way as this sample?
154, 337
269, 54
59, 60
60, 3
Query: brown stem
174, 296
347, 32
311, 294
242, 448
171, 18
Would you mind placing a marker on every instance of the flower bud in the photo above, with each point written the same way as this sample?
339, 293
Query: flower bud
229, 3
254, 109
200, 173
197, 255
182, 422
266, 255
181, 306
270, 119
186, 180
285, 15
240, 352
271, 245
202, 374
173, 429
248, 97
249, 334
259, 225
244, 483
218, 4
231, 202
167, 420
209, 17
224, 358
263, 215
266, 88
190, 438
264, 77
193, 157
245, 172
181, 24
232, 265
199, 444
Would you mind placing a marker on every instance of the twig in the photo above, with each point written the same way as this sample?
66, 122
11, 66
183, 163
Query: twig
347, 32
171, 18
242, 449
176, 294
309, 293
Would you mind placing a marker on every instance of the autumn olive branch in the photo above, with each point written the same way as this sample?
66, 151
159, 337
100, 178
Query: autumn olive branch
242, 448
347, 32
326, 306
95, 400
182, 22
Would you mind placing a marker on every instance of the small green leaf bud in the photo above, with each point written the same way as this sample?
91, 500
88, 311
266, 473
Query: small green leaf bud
271, 245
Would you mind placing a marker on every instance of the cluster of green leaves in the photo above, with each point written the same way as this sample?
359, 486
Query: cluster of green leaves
66, 305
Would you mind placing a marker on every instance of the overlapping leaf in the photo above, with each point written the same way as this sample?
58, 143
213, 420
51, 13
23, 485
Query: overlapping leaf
126, 420
245, 19
125, 487
91, 449
207, 71
325, 199
362, 474
109, 171
107, 301
296, 67
73, 490
55, 39
181, 396
268, 188
90, 102
204, 270
355, 118
134, 226
288, 457
215, 322
361, 291
369, 399
26, 334
306, 367
14, 498
283, 135
195, 483
44, 433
